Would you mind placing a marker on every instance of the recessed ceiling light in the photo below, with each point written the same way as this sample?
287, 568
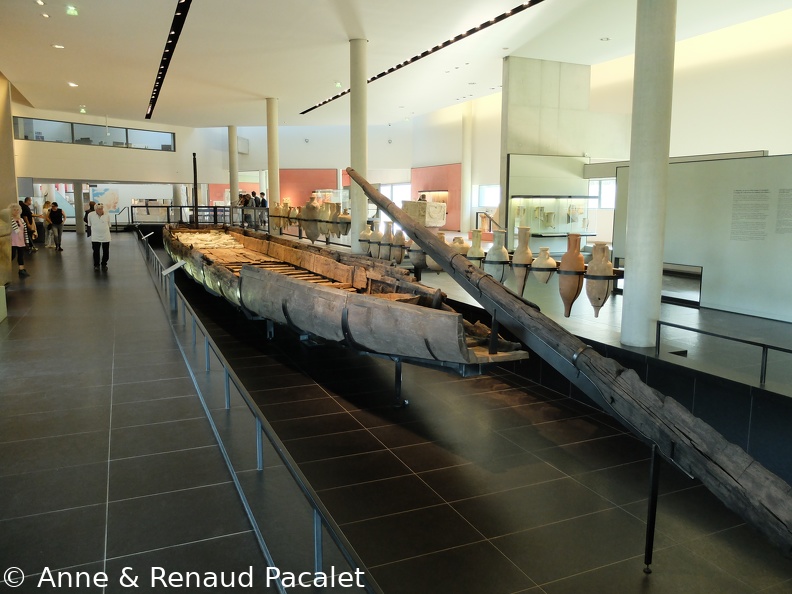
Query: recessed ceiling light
45, 15
71, 84
40, 2
58, 46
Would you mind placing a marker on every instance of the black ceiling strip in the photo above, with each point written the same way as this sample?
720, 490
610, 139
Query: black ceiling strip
437, 48
179, 16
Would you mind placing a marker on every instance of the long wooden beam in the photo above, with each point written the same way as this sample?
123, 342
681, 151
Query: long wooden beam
762, 498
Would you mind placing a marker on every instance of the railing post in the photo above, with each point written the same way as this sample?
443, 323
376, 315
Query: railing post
227, 381
657, 339
259, 445
318, 560
763, 371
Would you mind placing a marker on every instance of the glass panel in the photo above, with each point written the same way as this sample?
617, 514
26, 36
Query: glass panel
148, 139
489, 196
29, 129
99, 135
608, 193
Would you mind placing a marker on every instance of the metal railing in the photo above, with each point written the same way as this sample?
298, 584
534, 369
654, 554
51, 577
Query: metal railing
764, 346
182, 312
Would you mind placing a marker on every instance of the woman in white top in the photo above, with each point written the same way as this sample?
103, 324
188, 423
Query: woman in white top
99, 222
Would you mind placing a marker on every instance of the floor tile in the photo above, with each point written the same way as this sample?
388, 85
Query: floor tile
350, 470
233, 556
468, 569
529, 507
157, 411
673, 570
586, 542
471, 480
744, 554
34, 455
38, 540
401, 536
156, 521
128, 442
52, 490
171, 471
379, 498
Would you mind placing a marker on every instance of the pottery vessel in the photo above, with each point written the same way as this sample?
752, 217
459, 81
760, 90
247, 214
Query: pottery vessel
344, 222
397, 249
309, 219
543, 266
375, 239
476, 254
430, 263
570, 273
460, 245
496, 262
386, 242
522, 258
364, 239
417, 256
598, 286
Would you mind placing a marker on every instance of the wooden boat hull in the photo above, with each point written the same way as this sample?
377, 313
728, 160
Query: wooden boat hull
334, 296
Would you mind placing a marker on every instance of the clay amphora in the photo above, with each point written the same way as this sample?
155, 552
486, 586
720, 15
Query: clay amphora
364, 239
570, 273
397, 249
522, 258
430, 263
476, 254
309, 219
496, 262
375, 239
386, 242
543, 266
344, 222
598, 286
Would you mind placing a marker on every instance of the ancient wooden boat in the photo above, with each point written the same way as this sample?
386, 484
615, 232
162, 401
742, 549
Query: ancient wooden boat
335, 296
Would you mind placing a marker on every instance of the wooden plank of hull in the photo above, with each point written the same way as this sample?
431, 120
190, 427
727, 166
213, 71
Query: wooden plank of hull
383, 322
373, 324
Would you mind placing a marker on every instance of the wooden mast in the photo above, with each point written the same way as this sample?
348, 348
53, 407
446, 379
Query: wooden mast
762, 498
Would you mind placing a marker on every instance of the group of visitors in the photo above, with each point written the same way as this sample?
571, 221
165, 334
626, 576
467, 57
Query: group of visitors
249, 201
24, 231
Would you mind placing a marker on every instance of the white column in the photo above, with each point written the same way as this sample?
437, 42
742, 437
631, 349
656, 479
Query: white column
273, 155
79, 208
8, 182
358, 101
262, 182
233, 164
649, 151
467, 168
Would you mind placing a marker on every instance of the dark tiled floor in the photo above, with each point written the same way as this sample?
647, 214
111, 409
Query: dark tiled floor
106, 457
482, 485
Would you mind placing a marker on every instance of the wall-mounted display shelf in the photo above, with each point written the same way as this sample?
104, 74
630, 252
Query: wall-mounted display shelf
551, 218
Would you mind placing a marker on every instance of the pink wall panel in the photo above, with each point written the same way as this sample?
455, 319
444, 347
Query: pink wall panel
297, 184
441, 177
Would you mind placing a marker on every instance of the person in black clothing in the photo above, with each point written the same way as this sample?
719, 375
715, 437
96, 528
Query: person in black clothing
27, 216
91, 208
256, 199
57, 218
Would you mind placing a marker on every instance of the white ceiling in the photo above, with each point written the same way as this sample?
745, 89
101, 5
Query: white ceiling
233, 54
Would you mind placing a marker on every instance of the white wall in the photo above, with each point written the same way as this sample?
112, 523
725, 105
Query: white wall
728, 96
734, 219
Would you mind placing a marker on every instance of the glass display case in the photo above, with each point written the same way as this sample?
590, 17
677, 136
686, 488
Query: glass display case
550, 218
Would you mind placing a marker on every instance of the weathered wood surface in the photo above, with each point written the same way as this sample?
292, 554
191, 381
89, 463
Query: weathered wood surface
762, 498
392, 316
